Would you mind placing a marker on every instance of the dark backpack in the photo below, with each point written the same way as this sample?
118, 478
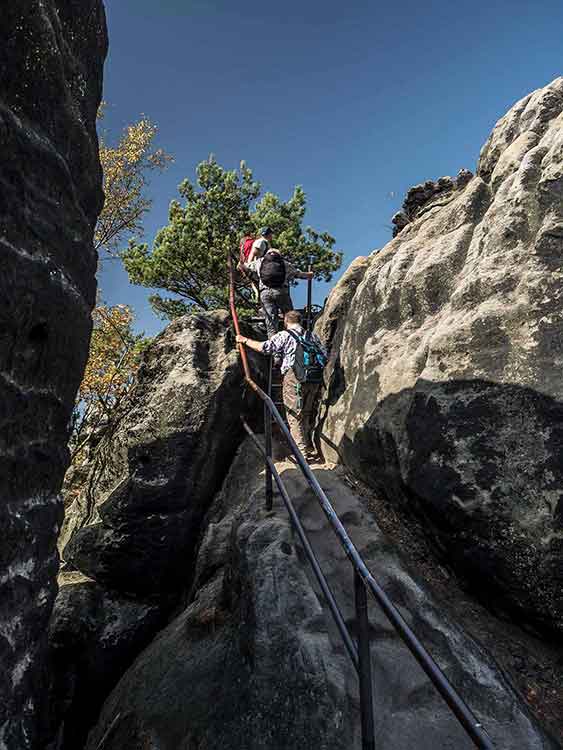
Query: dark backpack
310, 361
272, 271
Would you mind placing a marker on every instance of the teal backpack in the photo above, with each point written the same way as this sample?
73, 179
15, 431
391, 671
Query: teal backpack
310, 361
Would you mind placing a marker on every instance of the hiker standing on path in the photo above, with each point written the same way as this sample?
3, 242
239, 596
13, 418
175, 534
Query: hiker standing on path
303, 359
274, 275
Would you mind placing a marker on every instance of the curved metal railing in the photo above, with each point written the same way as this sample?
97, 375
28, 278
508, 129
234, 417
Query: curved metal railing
364, 580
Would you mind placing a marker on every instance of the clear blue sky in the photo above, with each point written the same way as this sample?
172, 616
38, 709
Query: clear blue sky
354, 101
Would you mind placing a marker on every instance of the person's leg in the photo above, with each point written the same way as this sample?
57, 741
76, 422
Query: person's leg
293, 402
270, 309
314, 420
284, 300
309, 400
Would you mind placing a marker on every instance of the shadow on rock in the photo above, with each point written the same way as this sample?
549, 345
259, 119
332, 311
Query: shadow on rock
482, 463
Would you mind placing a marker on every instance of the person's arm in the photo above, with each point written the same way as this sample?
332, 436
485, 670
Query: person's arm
257, 346
295, 273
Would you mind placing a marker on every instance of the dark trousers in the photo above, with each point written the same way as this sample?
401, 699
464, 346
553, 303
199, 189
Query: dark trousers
273, 302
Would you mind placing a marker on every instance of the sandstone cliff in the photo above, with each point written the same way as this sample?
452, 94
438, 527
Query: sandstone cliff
446, 389
154, 474
51, 56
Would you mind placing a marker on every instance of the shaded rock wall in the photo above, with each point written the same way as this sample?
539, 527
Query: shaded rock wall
94, 635
446, 390
254, 661
51, 57
135, 525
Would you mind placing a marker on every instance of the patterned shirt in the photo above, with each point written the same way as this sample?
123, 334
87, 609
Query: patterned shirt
283, 345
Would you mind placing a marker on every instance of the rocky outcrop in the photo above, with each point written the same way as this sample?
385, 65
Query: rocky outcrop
432, 194
135, 525
94, 636
449, 393
51, 57
255, 662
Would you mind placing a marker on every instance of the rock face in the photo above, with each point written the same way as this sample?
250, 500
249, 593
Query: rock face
254, 661
51, 57
446, 390
339, 301
422, 198
94, 636
135, 526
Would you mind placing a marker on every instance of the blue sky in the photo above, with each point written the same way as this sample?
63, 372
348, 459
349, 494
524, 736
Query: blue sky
354, 101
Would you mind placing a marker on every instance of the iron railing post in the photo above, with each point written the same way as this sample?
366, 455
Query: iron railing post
309, 302
268, 442
364, 655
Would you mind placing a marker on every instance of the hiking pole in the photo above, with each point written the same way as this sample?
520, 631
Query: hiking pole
309, 300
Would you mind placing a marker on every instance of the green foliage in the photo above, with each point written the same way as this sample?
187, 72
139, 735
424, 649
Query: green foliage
188, 257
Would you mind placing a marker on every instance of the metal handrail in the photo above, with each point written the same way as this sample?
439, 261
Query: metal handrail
457, 705
323, 583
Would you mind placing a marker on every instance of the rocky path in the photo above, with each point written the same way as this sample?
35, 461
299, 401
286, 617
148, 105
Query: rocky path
253, 661
409, 712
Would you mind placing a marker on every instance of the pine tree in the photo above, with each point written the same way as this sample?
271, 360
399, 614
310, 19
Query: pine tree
188, 257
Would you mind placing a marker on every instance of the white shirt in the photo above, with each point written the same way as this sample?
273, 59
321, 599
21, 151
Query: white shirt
260, 246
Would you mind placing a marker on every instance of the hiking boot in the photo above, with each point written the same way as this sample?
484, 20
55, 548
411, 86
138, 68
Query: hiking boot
312, 455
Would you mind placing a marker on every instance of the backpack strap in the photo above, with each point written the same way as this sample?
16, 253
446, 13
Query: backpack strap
295, 336
311, 344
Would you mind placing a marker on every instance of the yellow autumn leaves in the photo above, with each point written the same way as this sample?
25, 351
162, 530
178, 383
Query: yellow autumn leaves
113, 361
115, 350
126, 169
112, 355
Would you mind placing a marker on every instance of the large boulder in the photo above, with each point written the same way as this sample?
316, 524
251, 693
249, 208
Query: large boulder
135, 525
94, 635
446, 391
254, 661
51, 58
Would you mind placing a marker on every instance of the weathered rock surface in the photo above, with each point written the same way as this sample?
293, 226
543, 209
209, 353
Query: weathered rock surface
254, 661
94, 635
51, 57
339, 300
447, 390
135, 526
422, 198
